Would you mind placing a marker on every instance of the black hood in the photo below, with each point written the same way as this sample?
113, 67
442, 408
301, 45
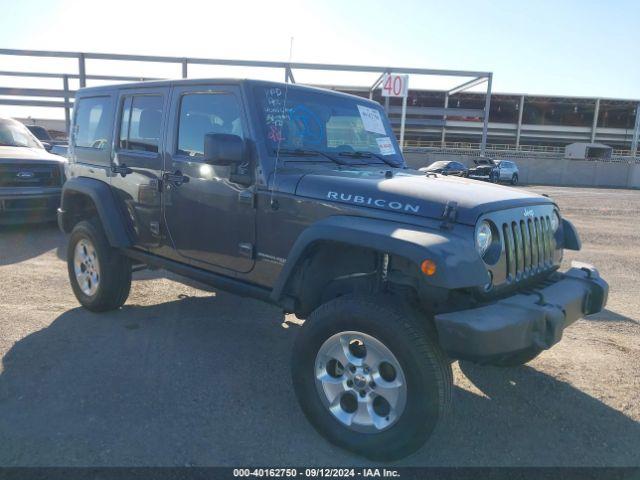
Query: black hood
414, 193
484, 162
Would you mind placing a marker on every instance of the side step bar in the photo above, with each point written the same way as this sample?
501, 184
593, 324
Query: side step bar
215, 280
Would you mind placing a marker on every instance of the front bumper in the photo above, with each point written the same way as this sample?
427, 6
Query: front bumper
534, 319
28, 205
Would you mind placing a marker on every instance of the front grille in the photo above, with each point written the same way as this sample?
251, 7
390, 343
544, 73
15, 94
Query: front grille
21, 204
529, 246
30, 175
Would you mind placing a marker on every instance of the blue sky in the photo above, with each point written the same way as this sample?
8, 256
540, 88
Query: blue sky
586, 48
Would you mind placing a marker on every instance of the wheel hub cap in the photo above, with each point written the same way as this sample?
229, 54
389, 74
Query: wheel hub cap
360, 382
86, 267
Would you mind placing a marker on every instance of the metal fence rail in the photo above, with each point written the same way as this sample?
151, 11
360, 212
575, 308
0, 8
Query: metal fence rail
509, 152
66, 95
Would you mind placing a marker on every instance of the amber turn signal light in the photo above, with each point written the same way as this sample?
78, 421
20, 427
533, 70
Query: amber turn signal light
428, 267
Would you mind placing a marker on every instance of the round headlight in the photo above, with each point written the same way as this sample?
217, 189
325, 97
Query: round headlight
555, 221
483, 237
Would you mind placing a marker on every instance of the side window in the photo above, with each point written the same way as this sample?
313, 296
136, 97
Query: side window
92, 122
202, 113
141, 122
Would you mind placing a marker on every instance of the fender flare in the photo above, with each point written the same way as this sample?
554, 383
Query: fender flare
571, 239
458, 264
102, 197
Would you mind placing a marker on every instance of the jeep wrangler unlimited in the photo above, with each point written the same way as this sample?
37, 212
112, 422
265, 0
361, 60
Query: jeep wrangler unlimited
300, 197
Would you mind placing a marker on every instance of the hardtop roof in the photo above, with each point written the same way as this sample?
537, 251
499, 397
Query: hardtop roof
89, 91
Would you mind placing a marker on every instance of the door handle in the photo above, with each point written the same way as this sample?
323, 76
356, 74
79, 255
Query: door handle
176, 178
123, 170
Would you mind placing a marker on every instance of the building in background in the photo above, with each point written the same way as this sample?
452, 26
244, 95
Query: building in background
515, 121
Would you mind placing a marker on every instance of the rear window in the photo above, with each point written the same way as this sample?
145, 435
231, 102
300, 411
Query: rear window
92, 122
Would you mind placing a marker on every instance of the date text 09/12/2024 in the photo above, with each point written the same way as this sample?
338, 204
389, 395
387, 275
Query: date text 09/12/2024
316, 473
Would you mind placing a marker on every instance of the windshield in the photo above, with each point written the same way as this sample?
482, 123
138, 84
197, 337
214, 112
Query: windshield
15, 134
327, 124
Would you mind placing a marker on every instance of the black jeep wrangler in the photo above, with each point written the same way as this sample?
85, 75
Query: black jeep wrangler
300, 197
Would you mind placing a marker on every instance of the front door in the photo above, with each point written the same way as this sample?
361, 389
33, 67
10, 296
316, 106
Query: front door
137, 162
210, 218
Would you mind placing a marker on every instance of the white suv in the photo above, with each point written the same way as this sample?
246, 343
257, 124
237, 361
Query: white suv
508, 171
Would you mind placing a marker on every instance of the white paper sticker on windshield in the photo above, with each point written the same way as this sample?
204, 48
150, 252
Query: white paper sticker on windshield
385, 146
371, 120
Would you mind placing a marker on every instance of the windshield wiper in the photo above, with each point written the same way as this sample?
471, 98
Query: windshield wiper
309, 153
363, 154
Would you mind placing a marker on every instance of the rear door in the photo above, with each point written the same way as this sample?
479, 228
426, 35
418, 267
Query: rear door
209, 216
137, 163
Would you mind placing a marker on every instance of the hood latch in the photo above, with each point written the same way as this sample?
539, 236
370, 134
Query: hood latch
449, 215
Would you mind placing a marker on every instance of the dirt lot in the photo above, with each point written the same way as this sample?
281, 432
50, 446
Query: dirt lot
184, 376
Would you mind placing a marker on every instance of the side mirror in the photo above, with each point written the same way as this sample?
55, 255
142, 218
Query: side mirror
223, 149
47, 146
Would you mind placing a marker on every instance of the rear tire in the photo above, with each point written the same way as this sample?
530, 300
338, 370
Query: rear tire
100, 276
417, 382
514, 179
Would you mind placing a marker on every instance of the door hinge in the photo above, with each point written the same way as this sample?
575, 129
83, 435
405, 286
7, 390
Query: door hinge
247, 197
155, 184
154, 227
245, 250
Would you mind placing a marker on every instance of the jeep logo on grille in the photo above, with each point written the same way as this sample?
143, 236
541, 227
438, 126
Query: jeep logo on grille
25, 175
528, 212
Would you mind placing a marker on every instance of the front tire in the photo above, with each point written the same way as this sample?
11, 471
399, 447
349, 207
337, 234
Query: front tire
369, 378
514, 179
100, 276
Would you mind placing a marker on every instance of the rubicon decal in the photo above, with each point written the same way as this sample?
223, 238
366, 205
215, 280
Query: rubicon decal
374, 202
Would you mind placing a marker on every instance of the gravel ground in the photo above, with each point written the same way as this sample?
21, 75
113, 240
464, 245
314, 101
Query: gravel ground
186, 376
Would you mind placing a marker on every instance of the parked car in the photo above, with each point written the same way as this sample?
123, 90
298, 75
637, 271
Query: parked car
485, 169
60, 149
40, 133
47, 141
30, 178
301, 197
507, 171
447, 168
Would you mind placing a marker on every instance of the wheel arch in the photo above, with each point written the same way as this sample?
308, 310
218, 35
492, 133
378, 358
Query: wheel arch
86, 197
345, 240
